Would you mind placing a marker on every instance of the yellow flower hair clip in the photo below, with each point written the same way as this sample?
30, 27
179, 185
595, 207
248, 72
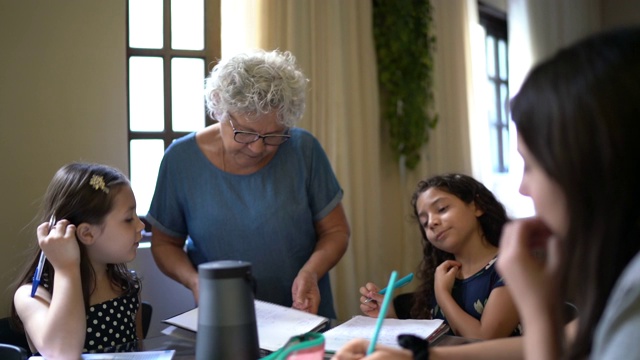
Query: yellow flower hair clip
97, 181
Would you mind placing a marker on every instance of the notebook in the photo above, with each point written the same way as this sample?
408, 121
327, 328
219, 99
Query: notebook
363, 326
276, 323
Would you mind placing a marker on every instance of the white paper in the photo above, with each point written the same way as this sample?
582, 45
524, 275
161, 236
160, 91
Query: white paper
364, 327
276, 323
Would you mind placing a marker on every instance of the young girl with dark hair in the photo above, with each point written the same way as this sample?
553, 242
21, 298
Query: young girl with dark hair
460, 221
87, 299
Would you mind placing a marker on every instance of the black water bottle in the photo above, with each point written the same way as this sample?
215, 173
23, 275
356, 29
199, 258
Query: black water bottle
227, 326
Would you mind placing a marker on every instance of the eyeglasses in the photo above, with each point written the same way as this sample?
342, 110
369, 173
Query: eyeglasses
248, 137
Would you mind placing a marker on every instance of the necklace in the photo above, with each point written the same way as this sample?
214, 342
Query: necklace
224, 165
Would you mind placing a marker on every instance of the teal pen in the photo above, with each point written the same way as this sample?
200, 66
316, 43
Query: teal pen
400, 283
383, 312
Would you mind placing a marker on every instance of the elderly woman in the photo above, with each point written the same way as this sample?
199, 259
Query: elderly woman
253, 187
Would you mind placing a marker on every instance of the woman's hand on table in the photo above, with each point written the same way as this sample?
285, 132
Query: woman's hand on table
305, 292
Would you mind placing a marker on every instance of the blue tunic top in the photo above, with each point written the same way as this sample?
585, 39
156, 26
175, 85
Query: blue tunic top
472, 293
266, 218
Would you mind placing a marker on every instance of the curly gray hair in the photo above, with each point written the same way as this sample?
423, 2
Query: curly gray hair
257, 83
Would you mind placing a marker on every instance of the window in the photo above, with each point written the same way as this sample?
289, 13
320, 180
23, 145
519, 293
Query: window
170, 47
496, 47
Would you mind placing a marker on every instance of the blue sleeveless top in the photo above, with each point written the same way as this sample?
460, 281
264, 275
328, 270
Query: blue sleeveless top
472, 293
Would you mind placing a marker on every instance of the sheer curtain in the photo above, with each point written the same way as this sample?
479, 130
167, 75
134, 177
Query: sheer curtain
333, 42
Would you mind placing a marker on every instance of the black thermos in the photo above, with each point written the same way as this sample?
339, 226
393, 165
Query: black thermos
226, 312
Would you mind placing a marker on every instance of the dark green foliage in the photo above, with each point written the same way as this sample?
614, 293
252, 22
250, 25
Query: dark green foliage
404, 47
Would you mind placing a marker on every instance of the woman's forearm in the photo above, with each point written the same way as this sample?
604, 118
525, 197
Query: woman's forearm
172, 260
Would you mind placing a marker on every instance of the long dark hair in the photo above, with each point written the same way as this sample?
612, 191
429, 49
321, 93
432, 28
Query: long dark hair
469, 190
71, 195
579, 115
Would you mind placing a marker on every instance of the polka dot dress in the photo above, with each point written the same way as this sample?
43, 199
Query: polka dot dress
111, 323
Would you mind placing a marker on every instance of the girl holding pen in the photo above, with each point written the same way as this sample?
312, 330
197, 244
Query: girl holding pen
87, 300
460, 221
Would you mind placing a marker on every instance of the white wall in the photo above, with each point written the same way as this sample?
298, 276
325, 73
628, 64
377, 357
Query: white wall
62, 99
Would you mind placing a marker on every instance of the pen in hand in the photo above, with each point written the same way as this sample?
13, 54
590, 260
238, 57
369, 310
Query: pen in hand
400, 283
383, 312
38, 273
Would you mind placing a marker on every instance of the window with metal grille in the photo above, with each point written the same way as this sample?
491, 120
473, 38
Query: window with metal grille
171, 45
496, 45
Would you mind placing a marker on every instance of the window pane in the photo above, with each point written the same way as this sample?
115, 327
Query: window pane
187, 24
505, 148
495, 150
187, 90
146, 94
144, 163
502, 59
504, 103
491, 103
491, 57
145, 24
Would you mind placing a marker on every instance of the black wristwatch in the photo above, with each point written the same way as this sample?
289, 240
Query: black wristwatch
419, 347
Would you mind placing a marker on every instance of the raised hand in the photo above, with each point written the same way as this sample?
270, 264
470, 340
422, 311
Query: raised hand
60, 244
445, 276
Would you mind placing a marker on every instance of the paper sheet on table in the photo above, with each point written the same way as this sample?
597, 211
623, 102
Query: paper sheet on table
276, 323
364, 326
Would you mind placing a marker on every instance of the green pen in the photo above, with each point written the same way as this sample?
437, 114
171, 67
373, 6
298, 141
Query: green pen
383, 312
400, 283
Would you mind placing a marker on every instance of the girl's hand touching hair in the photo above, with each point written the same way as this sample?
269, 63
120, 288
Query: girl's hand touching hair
60, 245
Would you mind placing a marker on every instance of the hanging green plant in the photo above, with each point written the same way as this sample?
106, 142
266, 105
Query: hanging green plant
404, 49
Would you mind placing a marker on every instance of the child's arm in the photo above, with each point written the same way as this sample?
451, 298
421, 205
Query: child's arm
498, 349
499, 317
56, 324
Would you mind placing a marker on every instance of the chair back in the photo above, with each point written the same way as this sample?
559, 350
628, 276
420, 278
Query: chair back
8, 335
12, 352
402, 304
147, 310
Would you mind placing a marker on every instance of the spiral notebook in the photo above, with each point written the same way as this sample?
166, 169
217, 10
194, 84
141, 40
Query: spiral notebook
276, 323
362, 327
